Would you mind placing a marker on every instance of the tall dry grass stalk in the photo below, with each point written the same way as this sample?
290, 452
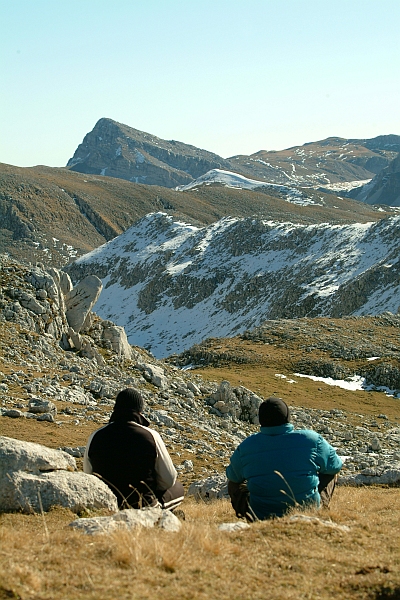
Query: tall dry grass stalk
278, 559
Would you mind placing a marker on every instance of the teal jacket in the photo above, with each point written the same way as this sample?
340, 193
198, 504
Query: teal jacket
281, 466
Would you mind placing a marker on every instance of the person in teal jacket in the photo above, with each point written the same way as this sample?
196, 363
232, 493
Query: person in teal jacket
280, 467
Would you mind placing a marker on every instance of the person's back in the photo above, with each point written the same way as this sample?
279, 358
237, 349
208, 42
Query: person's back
123, 454
132, 459
282, 467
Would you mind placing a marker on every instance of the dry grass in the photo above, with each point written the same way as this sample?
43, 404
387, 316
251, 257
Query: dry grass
273, 559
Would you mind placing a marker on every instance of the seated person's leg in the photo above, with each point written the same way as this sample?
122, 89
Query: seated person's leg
170, 499
239, 495
326, 488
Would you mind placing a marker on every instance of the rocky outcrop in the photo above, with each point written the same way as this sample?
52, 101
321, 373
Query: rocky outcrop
80, 301
237, 402
46, 301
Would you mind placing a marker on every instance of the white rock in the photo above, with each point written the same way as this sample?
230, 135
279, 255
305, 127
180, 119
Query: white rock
38, 406
211, 487
237, 526
119, 342
129, 519
154, 374
33, 458
76, 491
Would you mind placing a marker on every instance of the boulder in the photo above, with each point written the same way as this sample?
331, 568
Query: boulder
80, 301
33, 477
154, 374
39, 406
132, 518
77, 491
212, 487
31, 458
116, 335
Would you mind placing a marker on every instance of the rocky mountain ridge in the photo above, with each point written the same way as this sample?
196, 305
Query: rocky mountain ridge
116, 150
171, 284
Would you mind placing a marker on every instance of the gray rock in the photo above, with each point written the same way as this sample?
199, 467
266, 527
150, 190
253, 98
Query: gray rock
80, 301
31, 458
39, 406
212, 487
28, 301
116, 335
77, 491
154, 374
77, 452
13, 413
65, 283
46, 417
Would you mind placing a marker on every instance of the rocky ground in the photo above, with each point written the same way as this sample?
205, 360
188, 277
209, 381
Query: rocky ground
57, 397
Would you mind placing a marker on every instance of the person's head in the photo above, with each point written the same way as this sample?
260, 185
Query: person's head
127, 402
272, 412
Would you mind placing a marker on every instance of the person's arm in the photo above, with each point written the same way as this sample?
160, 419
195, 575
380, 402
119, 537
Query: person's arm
327, 459
234, 469
87, 465
165, 471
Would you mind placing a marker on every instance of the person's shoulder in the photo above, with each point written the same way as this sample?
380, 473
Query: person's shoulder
307, 433
250, 440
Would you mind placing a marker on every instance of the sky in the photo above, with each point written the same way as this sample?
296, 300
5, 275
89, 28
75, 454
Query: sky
232, 77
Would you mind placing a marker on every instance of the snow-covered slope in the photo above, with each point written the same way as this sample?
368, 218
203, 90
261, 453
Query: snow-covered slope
234, 180
172, 285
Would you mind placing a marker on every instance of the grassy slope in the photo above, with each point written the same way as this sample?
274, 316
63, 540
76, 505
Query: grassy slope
41, 559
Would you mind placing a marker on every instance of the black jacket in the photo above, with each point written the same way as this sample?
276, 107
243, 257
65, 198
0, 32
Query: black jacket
131, 459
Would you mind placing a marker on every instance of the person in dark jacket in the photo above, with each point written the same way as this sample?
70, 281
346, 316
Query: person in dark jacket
280, 467
132, 459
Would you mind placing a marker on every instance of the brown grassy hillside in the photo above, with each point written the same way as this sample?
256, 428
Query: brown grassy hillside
53, 215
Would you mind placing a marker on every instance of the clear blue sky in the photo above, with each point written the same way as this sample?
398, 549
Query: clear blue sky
233, 77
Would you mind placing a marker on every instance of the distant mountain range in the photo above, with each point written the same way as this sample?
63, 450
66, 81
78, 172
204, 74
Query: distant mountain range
172, 284
116, 150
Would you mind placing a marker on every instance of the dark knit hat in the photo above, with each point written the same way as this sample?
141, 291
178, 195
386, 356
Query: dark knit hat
273, 411
127, 402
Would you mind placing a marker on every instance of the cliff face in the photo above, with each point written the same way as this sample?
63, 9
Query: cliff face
171, 285
384, 188
116, 150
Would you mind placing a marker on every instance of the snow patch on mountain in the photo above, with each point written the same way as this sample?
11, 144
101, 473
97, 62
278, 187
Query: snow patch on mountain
236, 181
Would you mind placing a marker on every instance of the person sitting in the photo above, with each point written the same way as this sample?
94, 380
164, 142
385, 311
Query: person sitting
280, 467
132, 459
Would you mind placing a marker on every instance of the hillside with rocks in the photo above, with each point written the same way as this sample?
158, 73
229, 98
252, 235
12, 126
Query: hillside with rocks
171, 284
54, 215
117, 150
335, 163
58, 383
